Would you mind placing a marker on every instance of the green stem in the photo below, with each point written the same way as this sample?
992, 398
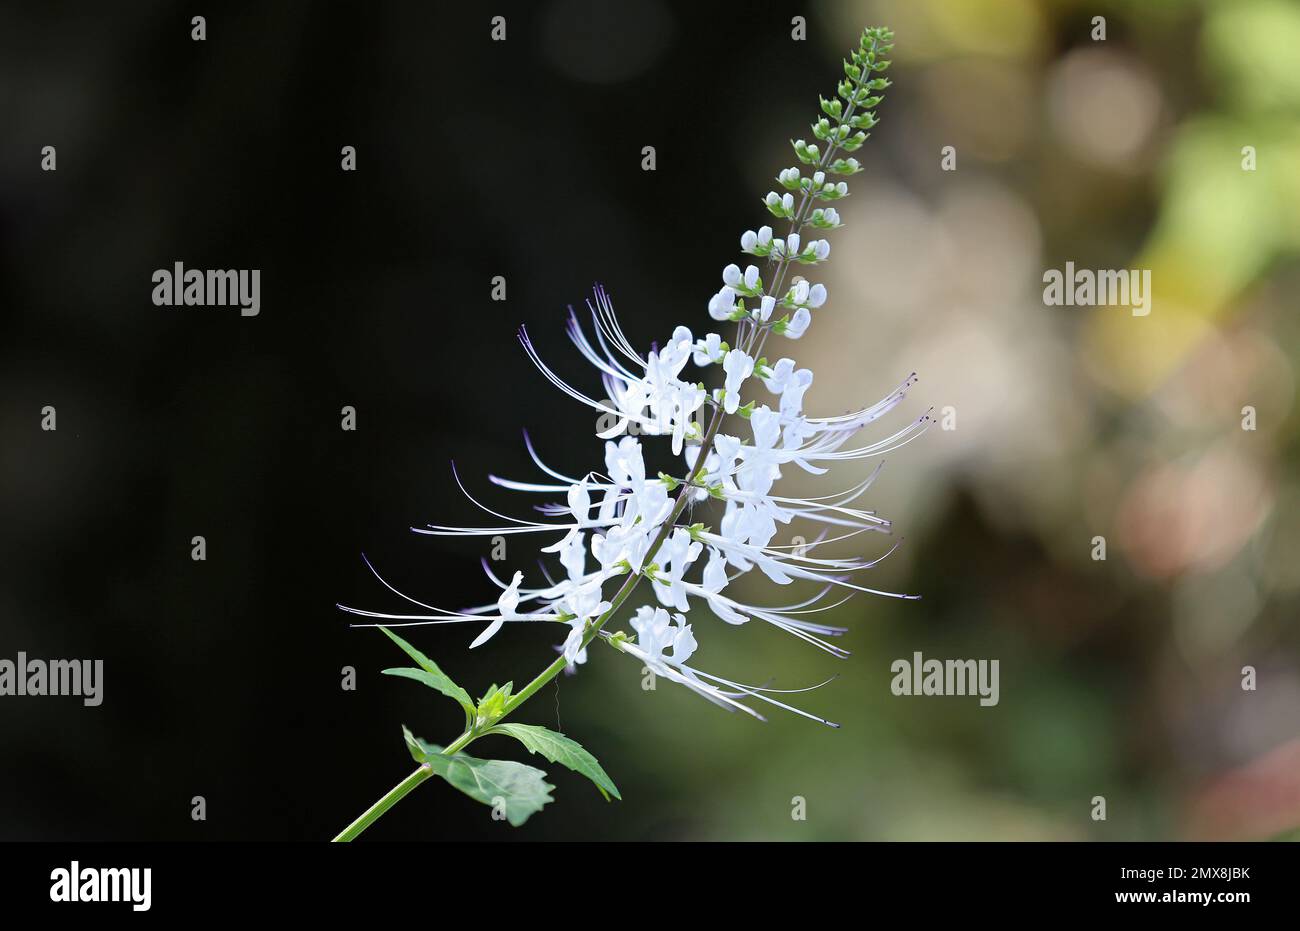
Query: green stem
376, 811
398, 792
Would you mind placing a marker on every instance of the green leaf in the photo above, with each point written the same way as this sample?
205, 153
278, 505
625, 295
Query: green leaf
433, 677
563, 750
419, 749
420, 675
523, 789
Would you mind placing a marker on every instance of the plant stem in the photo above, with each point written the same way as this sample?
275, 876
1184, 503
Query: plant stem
398, 792
375, 811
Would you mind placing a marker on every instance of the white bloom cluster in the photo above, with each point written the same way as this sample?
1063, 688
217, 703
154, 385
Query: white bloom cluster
618, 527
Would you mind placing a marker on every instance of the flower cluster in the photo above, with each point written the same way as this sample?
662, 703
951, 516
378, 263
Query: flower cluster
611, 529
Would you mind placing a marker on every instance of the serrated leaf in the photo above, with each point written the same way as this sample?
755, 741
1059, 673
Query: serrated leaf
563, 750
522, 788
434, 677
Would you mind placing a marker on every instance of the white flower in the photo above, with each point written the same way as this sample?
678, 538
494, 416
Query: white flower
677, 553
738, 366
798, 324
793, 390
656, 632
714, 581
775, 376
583, 603
656, 400
708, 350
722, 304
718, 467
760, 461
575, 654
506, 605
573, 557
580, 508
620, 545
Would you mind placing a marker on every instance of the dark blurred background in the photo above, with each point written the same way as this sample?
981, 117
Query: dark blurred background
1119, 678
